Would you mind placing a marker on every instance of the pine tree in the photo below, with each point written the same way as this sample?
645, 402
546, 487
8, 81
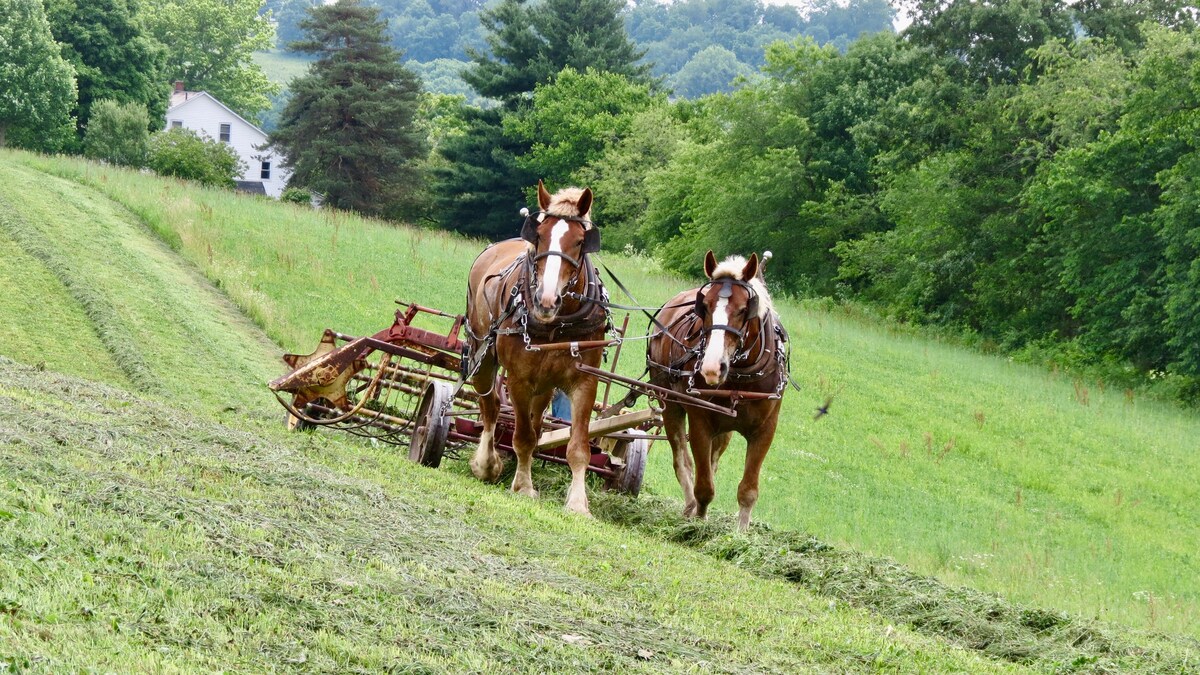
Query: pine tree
348, 130
482, 188
531, 43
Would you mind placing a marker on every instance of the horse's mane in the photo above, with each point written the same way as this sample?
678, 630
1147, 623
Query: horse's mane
565, 202
731, 268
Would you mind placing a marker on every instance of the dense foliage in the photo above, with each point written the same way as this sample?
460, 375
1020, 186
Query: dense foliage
349, 130
113, 56
480, 186
37, 86
117, 133
182, 153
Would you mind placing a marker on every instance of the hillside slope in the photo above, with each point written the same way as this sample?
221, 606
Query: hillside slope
137, 537
986, 473
210, 464
158, 321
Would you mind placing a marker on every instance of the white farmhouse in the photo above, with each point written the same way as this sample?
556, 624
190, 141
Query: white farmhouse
200, 112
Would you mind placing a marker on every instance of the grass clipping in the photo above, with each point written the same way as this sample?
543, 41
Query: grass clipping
980, 621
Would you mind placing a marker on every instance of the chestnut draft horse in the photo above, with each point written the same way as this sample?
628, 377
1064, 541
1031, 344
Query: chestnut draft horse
537, 289
722, 336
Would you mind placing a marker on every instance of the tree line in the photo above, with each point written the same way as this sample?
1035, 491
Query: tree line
1024, 172
62, 56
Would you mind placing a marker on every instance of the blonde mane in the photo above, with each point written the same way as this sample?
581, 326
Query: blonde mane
732, 267
565, 203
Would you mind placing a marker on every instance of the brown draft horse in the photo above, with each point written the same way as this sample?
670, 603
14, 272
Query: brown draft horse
537, 289
724, 335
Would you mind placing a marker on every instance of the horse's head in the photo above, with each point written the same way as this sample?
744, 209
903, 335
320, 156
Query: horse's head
559, 237
734, 296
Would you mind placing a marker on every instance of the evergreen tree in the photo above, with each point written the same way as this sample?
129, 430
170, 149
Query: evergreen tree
348, 130
482, 188
37, 86
113, 58
532, 43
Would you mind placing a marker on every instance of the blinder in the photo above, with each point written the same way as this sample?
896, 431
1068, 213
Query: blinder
591, 235
701, 309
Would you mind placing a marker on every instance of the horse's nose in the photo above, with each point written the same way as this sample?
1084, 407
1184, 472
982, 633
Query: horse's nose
548, 300
715, 376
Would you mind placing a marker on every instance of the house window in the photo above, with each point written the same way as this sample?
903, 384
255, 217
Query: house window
225, 133
265, 174
176, 124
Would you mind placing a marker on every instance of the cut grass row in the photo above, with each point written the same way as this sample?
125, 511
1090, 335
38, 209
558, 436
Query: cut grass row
1046, 639
159, 322
982, 472
137, 537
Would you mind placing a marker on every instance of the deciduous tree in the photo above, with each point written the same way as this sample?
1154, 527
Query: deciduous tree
37, 86
117, 133
113, 58
209, 46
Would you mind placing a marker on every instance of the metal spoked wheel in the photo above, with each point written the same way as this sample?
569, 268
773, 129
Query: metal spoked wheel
432, 424
628, 479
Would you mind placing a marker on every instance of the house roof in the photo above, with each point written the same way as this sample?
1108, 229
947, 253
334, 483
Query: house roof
251, 186
190, 96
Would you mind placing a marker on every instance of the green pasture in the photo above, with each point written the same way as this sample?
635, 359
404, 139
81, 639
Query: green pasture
168, 523
138, 537
280, 66
968, 467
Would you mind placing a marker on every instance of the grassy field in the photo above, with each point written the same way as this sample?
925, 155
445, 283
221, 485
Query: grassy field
280, 66
170, 524
136, 537
979, 471
847, 479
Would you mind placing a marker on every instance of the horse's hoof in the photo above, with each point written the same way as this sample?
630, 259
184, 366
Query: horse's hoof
527, 491
489, 473
578, 510
689, 510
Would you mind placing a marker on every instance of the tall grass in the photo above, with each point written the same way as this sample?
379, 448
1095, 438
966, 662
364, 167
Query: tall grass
977, 470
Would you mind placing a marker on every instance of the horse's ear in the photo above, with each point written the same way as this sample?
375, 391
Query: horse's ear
710, 264
751, 268
585, 203
543, 196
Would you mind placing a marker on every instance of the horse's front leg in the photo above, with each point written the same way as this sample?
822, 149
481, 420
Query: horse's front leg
579, 448
675, 426
486, 463
756, 451
700, 436
527, 411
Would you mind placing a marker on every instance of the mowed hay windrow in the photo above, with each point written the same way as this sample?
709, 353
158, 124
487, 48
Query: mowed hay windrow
830, 475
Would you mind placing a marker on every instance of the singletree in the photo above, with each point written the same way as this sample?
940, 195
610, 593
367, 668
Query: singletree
113, 58
348, 130
211, 45
37, 86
